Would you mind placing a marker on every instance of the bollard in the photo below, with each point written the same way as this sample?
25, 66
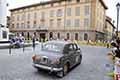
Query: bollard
10, 48
41, 45
23, 47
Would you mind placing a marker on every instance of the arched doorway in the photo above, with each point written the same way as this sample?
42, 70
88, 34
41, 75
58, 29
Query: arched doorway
51, 35
85, 36
28, 35
96, 36
68, 36
76, 36
22, 34
42, 37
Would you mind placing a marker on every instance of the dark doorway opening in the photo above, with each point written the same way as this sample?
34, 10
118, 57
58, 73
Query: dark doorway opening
85, 36
76, 36
28, 36
51, 35
68, 36
42, 37
58, 35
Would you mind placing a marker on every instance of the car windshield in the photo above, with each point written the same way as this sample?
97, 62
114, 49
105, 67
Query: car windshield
52, 47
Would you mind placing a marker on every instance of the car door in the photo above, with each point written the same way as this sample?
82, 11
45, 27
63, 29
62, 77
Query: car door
69, 54
76, 53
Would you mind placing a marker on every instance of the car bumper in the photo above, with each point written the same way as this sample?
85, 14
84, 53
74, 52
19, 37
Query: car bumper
51, 69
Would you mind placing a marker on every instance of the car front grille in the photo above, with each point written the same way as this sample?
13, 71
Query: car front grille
44, 60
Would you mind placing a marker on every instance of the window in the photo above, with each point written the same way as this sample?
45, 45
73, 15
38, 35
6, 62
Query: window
34, 25
69, 11
77, 11
52, 13
97, 11
75, 47
87, 11
52, 4
51, 23
23, 17
12, 26
52, 47
35, 15
13, 17
70, 47
58, 22
86, 22
28, 24
22, 25
18, 17
4, 33
78, 0
68, 22
28, 16
59, 12
43, 15
17, 25
77, 22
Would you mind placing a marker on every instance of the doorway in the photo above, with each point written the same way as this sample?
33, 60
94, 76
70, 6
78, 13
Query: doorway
42, 37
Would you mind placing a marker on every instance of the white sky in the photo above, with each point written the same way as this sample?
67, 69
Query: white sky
110, 3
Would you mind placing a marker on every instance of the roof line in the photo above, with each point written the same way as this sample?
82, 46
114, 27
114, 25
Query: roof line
49, 2
37, 4
111, 23
103, 3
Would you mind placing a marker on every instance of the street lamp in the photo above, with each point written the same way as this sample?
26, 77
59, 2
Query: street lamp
118, 7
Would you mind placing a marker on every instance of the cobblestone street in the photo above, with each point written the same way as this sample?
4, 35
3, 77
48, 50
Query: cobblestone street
18, 65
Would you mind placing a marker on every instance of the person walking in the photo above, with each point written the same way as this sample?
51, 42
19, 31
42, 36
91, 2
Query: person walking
117, 68
33, 42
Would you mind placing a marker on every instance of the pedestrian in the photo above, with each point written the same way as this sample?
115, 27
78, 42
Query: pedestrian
117, 68
118, 40
33, 42
109, 67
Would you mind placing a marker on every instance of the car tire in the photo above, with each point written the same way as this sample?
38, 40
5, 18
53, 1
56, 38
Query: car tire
63, 72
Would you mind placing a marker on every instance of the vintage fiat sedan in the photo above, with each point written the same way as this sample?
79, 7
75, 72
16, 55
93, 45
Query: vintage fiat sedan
58, 57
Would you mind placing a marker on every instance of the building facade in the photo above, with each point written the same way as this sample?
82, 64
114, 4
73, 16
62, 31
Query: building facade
109, 29
3, 21
70, 19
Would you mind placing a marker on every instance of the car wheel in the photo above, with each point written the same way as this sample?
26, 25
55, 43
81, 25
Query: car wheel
63, 72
